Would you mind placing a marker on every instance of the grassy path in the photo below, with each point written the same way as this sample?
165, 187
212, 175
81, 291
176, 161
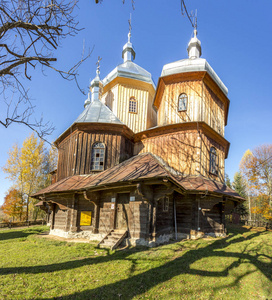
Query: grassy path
236, 267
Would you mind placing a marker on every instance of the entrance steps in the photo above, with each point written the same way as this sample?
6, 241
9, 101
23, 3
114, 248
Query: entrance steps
113, 239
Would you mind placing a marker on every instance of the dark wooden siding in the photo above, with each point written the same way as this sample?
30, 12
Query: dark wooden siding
165, 219
137, 213
75, 152
61, 219
211, 216
185, 212
84, 205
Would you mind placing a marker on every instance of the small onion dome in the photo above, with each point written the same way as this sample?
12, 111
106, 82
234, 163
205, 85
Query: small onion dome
194, 47
128, 53
96, 87
87, 101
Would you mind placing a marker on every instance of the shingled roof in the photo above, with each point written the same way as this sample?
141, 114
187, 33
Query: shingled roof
140, 167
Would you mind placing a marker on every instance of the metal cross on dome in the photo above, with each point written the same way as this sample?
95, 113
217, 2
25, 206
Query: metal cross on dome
129, 22
98, 63
130, 27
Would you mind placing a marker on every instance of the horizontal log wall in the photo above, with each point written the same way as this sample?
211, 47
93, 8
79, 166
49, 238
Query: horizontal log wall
165, 219
62, 219
211, 214
185, 212
137, 213
85, 205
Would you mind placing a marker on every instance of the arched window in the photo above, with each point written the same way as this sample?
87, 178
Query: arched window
132, 105
98, 157
182, 102
213, 161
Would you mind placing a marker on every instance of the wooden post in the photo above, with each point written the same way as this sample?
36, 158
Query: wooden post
154, 219
96, 213
73, 227
52, 207
150, 217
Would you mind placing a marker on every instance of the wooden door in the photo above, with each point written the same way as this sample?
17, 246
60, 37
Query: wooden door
122, 206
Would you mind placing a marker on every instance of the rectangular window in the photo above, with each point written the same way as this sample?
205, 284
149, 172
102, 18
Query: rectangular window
165, 204
132, 105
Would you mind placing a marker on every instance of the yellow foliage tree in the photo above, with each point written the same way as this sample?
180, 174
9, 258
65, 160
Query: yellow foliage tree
256, 167
13, 204
26, 168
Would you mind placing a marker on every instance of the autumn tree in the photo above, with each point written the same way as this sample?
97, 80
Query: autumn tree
256, 167
239, 185
13, 204
26, 168
227, 181
30, 32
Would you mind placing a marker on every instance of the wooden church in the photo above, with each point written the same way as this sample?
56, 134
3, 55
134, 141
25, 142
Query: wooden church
145, 164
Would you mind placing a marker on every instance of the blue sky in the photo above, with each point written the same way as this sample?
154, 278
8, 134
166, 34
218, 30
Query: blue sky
236, 41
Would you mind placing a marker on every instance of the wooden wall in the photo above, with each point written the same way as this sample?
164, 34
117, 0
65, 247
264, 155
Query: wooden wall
186, 151
199, 213
75, 151
203, 105
164, 219
168, 110
206, 144
213, 110
185, 211
61, 218
116, 96
137, 213
211, 215
85, 205
179, 149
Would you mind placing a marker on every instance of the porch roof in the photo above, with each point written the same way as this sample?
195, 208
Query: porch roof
140, 167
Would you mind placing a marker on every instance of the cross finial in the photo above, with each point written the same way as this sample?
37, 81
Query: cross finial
195, 23
130, 27
98, 65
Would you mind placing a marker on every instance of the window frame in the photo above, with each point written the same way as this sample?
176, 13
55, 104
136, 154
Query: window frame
132, 100
165, 204
180, 98
96, 153
213, 168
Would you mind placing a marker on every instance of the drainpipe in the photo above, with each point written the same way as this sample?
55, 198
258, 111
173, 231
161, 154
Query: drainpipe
175, 218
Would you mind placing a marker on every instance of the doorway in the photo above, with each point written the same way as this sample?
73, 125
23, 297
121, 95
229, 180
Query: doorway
122, 208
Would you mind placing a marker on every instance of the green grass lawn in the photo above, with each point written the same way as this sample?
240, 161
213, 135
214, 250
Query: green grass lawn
236, 267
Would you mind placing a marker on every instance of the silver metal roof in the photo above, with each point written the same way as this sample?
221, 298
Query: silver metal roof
193, 65
129, 69
97, 112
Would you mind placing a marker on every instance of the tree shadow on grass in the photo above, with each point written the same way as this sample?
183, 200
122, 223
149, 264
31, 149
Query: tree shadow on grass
137, 284
9, 234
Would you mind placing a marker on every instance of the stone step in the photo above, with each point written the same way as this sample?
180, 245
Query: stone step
117, 234
105, 246
112, 239
108, 242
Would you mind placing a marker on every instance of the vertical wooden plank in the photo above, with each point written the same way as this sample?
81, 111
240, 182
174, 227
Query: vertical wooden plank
83, 153
109, 153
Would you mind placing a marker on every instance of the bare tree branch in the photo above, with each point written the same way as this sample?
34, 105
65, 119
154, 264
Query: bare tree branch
30, 31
